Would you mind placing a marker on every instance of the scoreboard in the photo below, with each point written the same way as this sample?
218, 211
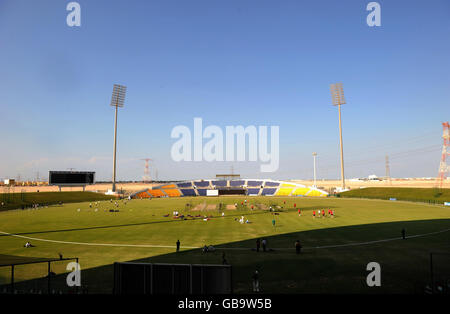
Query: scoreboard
71, 177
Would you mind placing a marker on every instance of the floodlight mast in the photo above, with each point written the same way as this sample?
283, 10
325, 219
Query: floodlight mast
117, 100
337, 96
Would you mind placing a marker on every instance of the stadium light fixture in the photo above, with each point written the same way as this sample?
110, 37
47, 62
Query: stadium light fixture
117, 100
338, 99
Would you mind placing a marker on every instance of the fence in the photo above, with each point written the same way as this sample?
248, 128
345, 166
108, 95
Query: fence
145, 278
35, 277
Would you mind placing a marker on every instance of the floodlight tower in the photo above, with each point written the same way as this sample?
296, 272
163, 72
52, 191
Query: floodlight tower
314, 156
337, 96
117, 100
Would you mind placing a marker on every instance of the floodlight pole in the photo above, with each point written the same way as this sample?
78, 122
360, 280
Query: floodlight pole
115, 149
314, 156
117, 100
337, 96
342, 149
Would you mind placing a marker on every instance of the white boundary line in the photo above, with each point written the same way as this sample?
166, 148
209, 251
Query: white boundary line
224, 248
96, 244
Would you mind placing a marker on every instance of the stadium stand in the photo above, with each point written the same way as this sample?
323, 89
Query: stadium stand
188, 192
300, 191
268, 191
202, 184
254, 183
284, 191
156, 193
237, 182
143, 194
316, 193
170, 186
253, 191
172, 192
230, 187
271, 183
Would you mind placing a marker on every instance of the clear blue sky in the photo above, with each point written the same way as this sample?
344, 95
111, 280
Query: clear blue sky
231, 62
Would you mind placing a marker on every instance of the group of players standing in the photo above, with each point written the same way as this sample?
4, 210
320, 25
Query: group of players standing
320, 213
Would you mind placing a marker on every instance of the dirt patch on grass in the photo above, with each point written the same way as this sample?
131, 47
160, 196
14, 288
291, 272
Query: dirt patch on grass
262, 206
211, 207
231, 207
199, 207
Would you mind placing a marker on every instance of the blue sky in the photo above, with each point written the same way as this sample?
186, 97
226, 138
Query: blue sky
243, 62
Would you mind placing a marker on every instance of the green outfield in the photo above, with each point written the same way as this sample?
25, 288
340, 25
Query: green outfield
141, 232
426, 195
18, 200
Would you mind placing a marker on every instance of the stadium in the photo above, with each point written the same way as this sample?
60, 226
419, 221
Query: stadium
115, 238
93, 202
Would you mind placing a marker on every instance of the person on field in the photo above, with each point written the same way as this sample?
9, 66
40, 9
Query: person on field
298, 247
224, 261
264, 244
273, 222
319, 213
178, 245
314, 214
323, 213
404, 234
299, 212
258, 244
255, 281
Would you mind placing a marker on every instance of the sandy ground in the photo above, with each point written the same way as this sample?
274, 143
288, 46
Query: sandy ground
200, 207
325, 184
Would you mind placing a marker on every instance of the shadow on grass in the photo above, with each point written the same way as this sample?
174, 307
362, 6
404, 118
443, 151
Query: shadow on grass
405, 264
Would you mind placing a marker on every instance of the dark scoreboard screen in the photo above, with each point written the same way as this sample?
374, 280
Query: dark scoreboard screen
70, 177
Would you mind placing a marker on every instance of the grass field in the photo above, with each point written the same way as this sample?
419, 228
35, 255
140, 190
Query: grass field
17, 200
426, 195
140, 232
